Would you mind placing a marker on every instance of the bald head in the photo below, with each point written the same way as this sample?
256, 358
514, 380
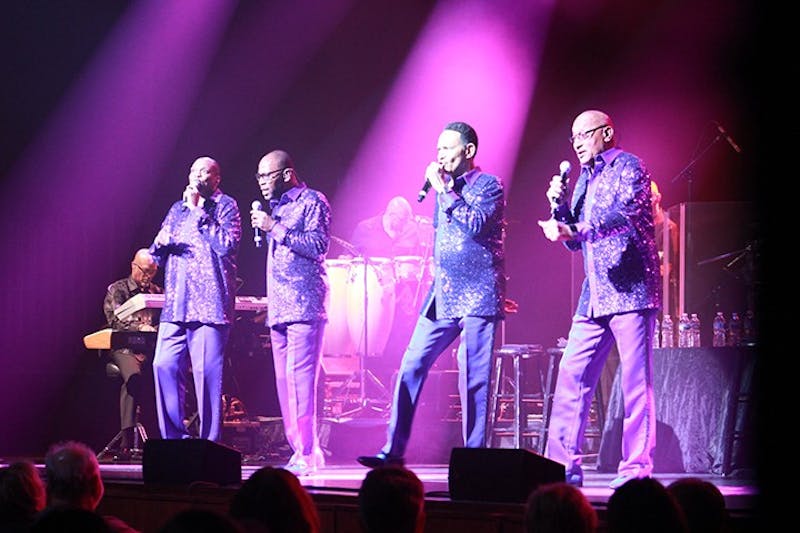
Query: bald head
397, 215
143, 268
279, 158
592, 116
398, 205
207, 162
276, 174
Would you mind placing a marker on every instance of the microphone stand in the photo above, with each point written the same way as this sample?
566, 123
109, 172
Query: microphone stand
686, 172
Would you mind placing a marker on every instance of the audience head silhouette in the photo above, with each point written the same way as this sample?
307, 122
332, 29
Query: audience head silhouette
274, 499
22, 495
559, 508
643, 504
73, 476
702, 504
392, 500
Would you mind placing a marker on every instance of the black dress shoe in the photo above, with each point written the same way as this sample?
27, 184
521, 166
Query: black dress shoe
575, 478
379, 460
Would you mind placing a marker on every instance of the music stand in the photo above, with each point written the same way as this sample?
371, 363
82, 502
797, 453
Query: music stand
363, 373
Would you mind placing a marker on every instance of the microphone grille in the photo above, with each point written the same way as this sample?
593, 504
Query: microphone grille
564, 166
256, 205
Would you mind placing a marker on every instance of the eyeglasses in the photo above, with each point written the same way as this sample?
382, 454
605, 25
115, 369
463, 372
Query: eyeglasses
585, 134
146, 273
269, 175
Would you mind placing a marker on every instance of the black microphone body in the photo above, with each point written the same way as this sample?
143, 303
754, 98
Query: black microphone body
423, 192
724, 133
258, 239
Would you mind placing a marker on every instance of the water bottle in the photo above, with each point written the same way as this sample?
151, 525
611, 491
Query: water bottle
749, 328
657, 335
694, 329
667, 332
683, 331
735, 330
720, 327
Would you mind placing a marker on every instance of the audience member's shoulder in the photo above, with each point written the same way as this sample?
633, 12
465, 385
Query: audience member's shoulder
200, 521
61, 519
118, 525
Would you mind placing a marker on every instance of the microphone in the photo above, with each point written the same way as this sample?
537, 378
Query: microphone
564, 167
728, 138
423, 192
257, 238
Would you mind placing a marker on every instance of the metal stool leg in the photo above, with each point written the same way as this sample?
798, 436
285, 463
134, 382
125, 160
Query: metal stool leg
498, 376
517, 402
547, 397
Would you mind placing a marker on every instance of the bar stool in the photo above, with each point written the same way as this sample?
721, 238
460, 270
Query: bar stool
510, 388
139, 433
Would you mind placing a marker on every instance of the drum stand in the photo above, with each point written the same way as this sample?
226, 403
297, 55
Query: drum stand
365, 404
426, 255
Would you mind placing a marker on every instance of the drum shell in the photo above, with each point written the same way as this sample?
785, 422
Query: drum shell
337, 340
378, 300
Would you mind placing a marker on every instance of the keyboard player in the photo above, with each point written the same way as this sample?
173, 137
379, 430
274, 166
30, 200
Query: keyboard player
143, 269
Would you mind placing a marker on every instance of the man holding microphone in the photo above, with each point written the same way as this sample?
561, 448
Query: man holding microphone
197, 244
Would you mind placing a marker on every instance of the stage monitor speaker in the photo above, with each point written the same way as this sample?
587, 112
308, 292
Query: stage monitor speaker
499, 474
185, 461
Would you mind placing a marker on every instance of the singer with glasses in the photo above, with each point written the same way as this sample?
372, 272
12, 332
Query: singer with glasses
466, 299
610, 219
297, 227
197, 243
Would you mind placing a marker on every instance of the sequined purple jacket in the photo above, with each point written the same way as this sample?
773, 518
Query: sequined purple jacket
469, 253
200, 258
296, 277
617, 237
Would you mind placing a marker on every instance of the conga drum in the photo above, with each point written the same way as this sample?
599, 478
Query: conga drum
408, 268
376, 275
336, 340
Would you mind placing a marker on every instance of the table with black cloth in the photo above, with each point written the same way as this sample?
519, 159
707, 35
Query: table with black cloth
705, 404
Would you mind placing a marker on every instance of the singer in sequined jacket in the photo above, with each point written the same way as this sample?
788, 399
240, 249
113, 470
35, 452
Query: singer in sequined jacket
298, 232
610, 219
617, 238
466, 298
197, 243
